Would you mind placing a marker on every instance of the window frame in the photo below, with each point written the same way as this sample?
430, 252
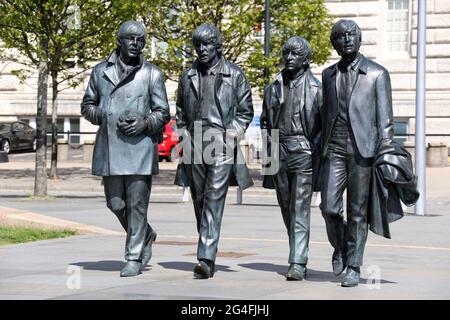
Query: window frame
384, 33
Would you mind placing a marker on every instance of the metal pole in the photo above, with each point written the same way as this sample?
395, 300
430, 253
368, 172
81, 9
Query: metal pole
267, 36
420, 208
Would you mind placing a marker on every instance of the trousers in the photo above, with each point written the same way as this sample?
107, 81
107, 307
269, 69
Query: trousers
343, 169
293, 184
128, 197
208, 182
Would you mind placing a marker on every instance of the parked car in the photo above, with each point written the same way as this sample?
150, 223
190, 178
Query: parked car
17, 135
170, 142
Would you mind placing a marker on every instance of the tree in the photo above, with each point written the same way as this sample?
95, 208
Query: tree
171, 23
42, 32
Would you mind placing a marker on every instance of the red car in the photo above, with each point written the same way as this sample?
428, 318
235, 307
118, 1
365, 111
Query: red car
170, 142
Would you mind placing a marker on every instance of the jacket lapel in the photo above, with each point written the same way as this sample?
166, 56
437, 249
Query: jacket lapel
279, 99
110, 70
194, 79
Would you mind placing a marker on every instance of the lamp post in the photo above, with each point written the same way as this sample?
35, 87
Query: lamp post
420, 208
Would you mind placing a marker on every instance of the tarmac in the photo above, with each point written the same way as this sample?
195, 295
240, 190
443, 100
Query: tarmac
253, 249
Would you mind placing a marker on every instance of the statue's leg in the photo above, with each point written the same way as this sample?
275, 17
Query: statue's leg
115, 197
216, 187
138, 190
359, 174
334, 182
196, 174
301, 192
282, 187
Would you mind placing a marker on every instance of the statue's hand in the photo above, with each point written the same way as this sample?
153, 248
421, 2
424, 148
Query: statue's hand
134, 125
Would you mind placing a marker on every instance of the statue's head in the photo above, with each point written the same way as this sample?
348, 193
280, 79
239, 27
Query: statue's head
346, 37
131, 39
207, 42
296, 54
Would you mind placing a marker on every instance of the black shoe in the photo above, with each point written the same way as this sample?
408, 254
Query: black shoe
147, 251
351, 278
296, 272
132, 268
338, 261
204, 269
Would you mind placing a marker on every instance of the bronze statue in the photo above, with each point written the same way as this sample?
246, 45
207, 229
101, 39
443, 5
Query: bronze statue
214, 101
126, 97
291, 105
357, 122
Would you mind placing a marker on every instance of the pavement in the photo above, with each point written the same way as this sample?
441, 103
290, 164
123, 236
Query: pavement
253, 249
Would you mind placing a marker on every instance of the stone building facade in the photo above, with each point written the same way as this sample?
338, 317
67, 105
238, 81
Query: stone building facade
389, 29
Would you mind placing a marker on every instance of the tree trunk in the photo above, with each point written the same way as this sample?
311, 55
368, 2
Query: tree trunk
40, 180
53, 167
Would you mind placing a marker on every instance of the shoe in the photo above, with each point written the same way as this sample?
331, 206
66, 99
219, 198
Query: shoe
296, 272
147, 251
338, 261
204, 269
132, 268
351, 278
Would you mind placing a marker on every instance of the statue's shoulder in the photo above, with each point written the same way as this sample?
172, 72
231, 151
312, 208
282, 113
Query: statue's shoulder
329, 70
152, 68
313, 79
234, 68
374, 67
100, 67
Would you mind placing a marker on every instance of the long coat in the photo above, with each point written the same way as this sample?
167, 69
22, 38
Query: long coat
369, 108
141, 93
233, 97
309, 117
393, 180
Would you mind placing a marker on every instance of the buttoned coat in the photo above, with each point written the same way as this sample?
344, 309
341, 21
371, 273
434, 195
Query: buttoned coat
142, 93
234, 99
369, 107
274, 96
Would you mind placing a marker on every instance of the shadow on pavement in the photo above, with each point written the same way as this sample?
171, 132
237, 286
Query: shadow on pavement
189, 266
104, 265
312, 275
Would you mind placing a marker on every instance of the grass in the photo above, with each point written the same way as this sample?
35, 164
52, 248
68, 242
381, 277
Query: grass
12, 235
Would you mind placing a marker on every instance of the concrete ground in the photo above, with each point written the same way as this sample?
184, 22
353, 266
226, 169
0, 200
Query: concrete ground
252, 257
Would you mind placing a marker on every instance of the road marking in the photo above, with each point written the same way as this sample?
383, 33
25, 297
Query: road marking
314, 242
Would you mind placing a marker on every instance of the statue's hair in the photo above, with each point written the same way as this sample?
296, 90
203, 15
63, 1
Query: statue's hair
344, 25
301, 45
132, 27
208, 33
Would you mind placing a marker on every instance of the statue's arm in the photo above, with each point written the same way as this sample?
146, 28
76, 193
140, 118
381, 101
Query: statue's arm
180, 110
160, 111
385, 118
90, 108
244, 108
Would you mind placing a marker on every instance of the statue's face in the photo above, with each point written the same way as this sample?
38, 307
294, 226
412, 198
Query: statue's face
206, 52
347, 42
131, 45
293, 60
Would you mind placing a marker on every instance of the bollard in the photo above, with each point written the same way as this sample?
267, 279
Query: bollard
437, 154
63, 150
3, 157
185, 196
88, 150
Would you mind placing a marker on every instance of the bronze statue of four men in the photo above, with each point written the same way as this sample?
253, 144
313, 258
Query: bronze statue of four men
323, 137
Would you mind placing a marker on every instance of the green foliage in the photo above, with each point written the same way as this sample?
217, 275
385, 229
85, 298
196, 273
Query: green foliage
11, 235
241, 23
60, 32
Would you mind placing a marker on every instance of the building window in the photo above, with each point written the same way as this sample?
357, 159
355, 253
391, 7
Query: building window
398, 25
401, 130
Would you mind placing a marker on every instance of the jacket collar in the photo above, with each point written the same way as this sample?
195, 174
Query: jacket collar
110, 71
307, 75
362, 65
224, 68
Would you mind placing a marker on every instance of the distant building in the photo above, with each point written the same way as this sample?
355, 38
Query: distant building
389, 37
